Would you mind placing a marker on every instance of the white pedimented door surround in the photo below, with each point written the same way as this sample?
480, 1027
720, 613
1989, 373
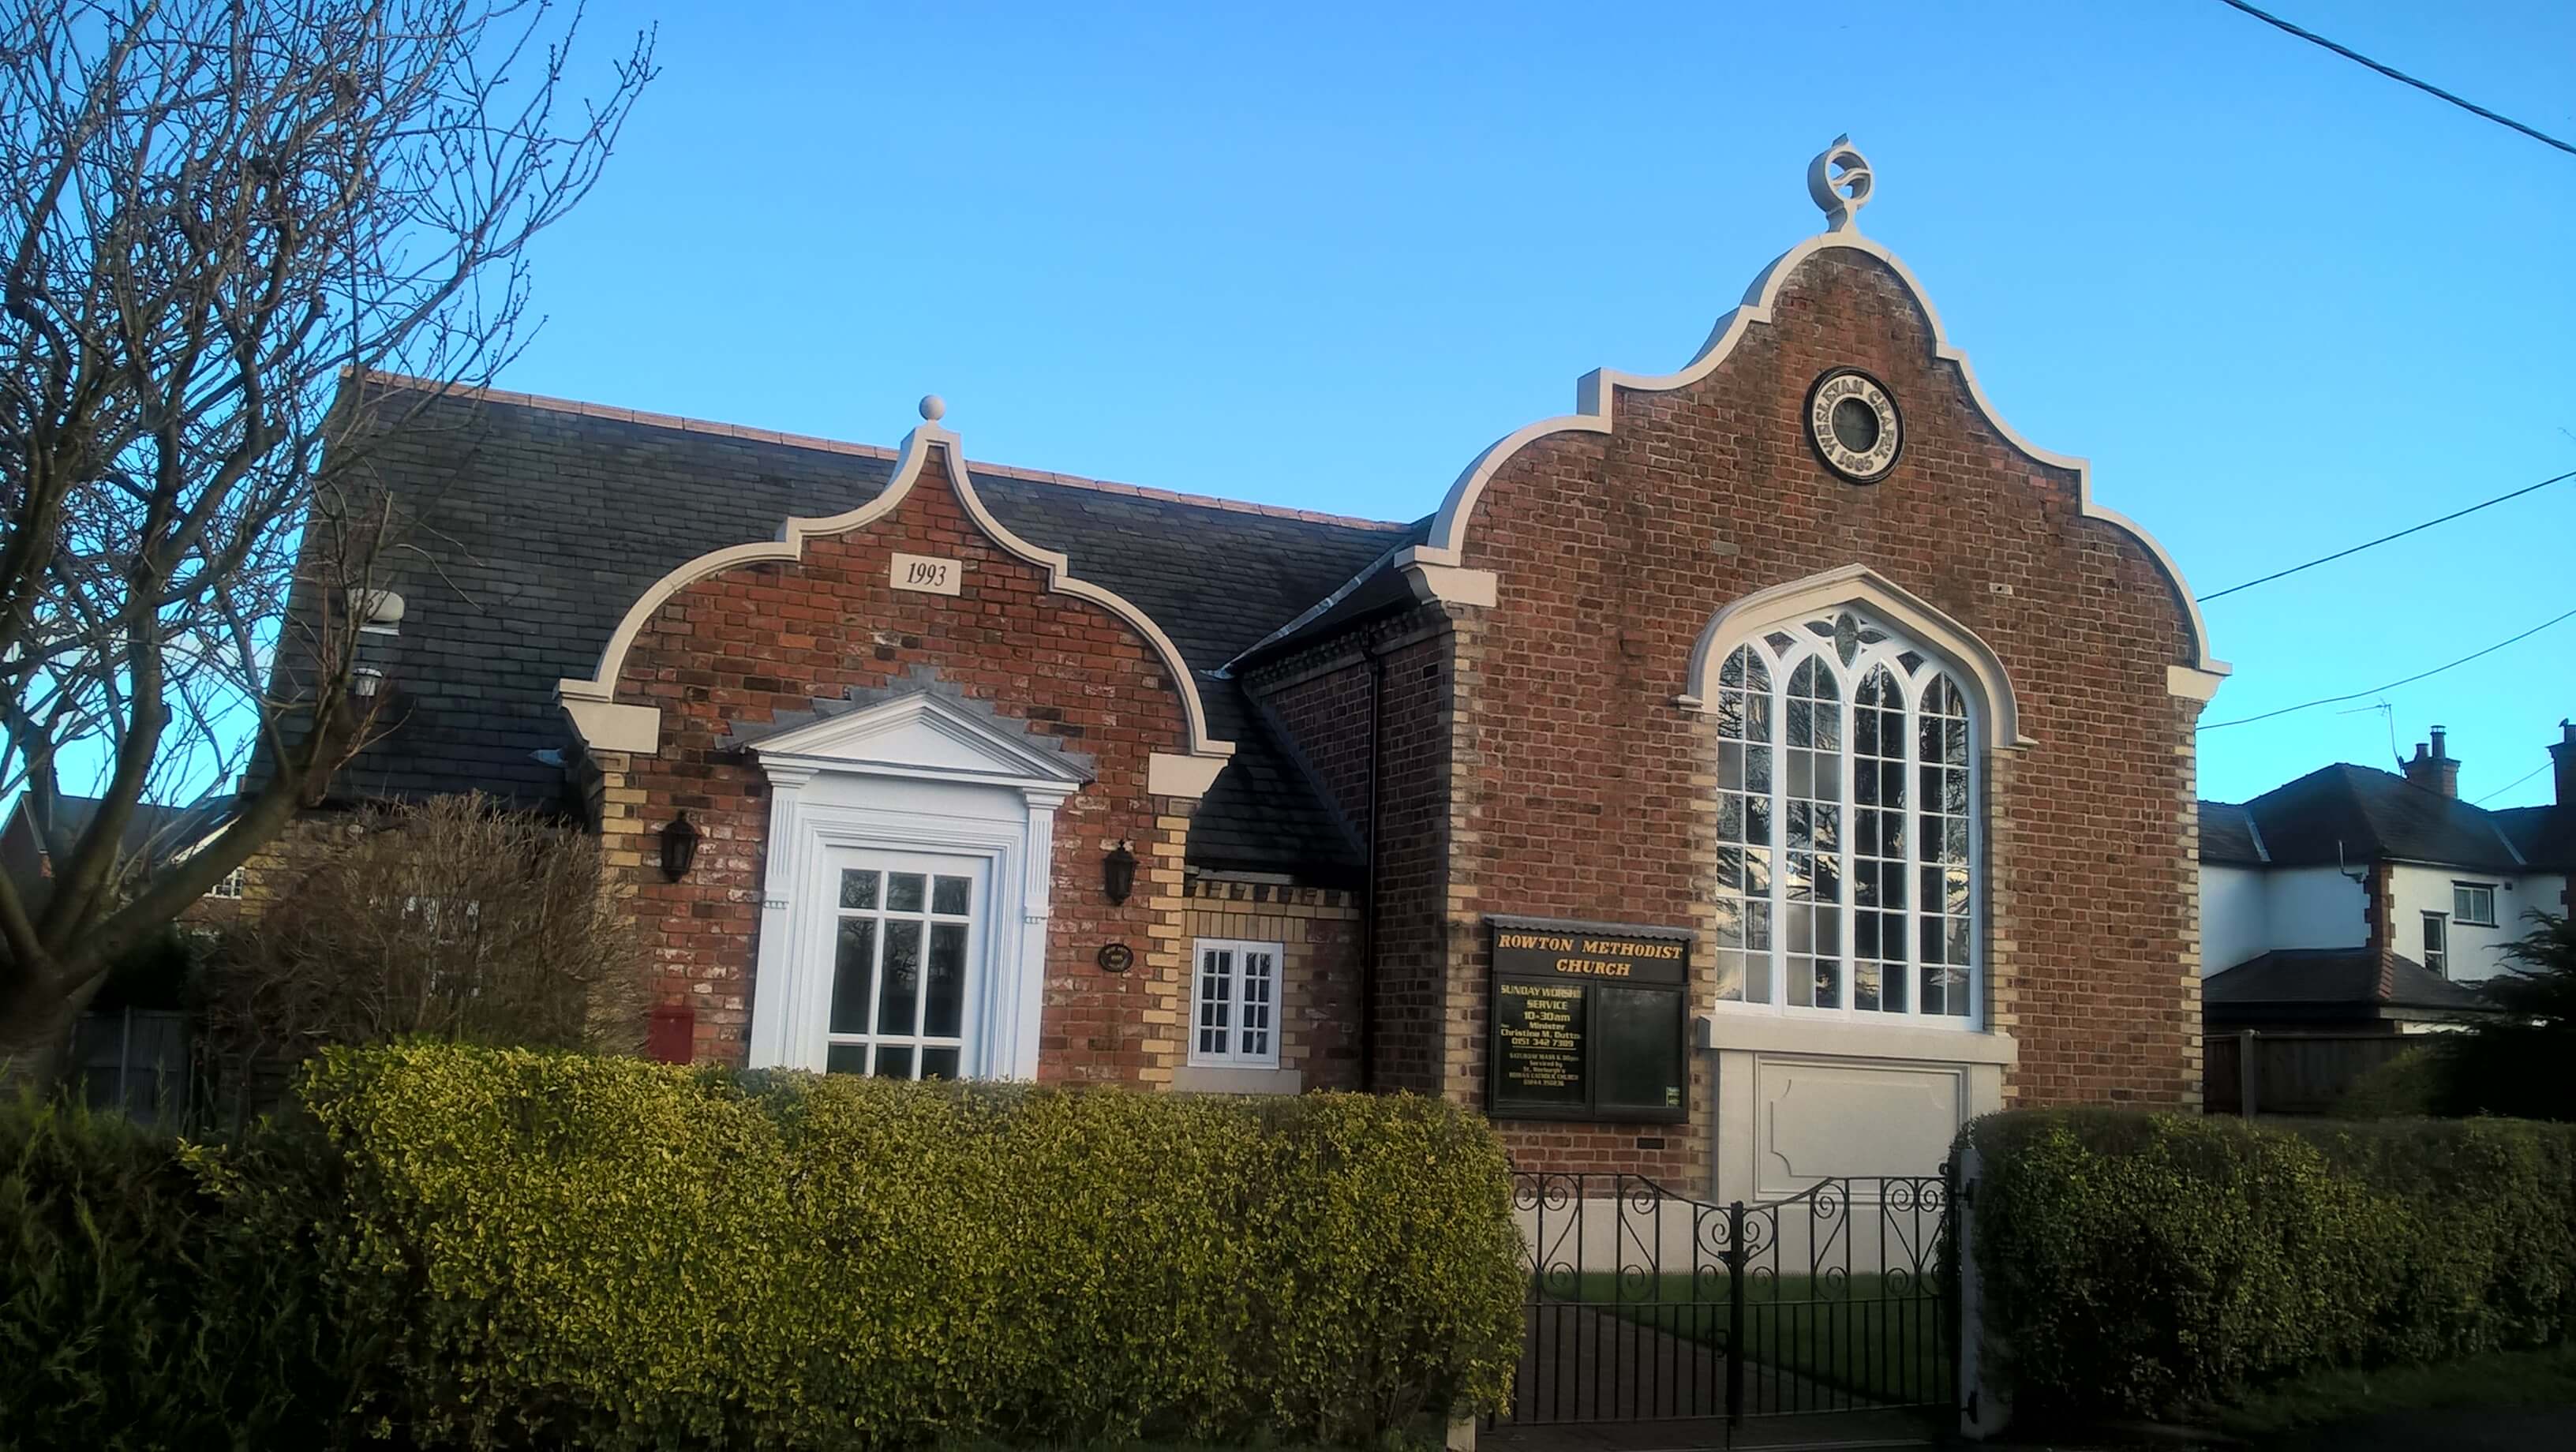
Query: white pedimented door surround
922, 774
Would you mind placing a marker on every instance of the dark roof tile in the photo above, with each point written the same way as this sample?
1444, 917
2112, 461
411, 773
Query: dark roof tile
2355, 814
539, 523
2347, 977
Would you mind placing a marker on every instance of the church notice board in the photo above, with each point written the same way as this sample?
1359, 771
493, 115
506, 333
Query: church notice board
1588, 1021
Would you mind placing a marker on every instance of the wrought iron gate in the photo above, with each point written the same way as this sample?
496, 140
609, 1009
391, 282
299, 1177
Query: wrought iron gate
1645, 1304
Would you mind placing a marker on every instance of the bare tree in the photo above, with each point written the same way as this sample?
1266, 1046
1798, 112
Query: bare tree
210, 212
455, 919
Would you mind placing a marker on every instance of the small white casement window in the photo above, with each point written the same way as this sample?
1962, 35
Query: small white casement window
1236, 1022
229, 886
2437, 943
2473, 903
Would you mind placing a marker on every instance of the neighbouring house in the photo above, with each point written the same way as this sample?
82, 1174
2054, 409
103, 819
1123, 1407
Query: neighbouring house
2350, 863
155, 833
1744, 778
2359, 903
131, 1050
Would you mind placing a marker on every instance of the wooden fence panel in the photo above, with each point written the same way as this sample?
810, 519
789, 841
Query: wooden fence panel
2292, 1073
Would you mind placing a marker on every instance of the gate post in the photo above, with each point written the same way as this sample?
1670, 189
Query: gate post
1984, 1397
2247, 1091
1735, 1314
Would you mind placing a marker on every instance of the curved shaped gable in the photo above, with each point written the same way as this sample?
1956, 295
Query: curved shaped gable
1596, 412
605, 723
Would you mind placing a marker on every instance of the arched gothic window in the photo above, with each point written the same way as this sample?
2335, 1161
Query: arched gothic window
1847, 825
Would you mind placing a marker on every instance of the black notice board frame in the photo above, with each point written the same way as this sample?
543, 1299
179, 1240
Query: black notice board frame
1660, 963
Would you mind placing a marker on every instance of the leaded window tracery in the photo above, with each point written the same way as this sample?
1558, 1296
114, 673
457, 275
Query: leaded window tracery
1847, 825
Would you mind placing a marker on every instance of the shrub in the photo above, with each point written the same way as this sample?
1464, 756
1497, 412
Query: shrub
468, 1247
614, 1254
2142, 1264
136, 1310
453, 918
2408, 1086
2516, 1062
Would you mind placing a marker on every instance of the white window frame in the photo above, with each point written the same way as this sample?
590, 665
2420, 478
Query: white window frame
1781, 663
2437, 958
228, 888
973, 923
2466, 892
1238, 978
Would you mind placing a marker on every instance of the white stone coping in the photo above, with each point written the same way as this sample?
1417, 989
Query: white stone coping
1198, 1079
1764, 1033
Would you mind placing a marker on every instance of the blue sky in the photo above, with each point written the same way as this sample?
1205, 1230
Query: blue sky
1320, 256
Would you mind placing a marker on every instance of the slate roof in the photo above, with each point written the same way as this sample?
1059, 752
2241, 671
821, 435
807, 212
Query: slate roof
2227, 835
2545, 836
2369, 816
2354, 979
539, 522
150, 831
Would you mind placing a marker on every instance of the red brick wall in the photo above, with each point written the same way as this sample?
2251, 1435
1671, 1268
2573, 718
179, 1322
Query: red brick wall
1317, 930
749, 642
1321, 698
1323, 708
1614, 551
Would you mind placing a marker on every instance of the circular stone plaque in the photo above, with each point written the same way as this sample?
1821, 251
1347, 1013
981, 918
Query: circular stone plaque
1854, 425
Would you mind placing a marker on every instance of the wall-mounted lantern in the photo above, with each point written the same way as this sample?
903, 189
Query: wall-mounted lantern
1118, 873
679, 847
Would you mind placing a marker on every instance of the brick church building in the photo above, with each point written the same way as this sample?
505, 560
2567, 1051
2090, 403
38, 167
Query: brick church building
1742, 778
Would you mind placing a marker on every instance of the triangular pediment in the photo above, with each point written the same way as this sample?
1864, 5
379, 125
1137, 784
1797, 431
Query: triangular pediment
922, 734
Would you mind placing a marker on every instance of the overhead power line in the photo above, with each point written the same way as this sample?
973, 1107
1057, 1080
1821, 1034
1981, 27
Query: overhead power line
2509, 786
2392, 685
2385, 538
2394, 74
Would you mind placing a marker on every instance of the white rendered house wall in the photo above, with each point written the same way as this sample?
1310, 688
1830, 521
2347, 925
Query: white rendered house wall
2475, 951
2235, 916
2315, 907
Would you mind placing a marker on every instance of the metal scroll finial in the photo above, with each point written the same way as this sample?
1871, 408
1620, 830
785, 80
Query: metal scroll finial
1839, 180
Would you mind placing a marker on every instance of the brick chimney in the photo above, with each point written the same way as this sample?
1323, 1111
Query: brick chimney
2433, 769
2563, 757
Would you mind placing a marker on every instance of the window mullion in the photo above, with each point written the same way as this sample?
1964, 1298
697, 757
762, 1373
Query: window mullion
1846, 837
1239, 1044
1778, 839
1910, 818
876, 977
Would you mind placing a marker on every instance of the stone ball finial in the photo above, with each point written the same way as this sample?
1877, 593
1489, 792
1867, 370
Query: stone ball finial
1839, 180
933, 407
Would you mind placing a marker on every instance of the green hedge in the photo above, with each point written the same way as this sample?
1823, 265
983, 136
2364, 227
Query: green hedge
510, 1248
2146, 1264
137, 1310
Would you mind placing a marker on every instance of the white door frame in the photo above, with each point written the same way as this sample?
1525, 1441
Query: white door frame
915, 774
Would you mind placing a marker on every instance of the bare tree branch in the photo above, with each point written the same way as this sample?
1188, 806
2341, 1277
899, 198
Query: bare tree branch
218, 218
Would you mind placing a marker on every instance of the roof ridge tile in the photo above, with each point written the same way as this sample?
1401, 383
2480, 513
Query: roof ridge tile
682, 424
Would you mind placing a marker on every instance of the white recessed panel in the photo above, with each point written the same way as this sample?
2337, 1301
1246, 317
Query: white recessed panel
1820, 1118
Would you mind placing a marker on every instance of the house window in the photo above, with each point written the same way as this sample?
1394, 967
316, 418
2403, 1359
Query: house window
2437, 943
899, 955
2473, 903
1236, 1023
228, 887
1847, 826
